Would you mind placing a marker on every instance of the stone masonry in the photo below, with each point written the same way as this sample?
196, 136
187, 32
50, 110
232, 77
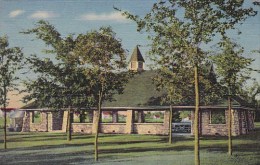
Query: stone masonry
242, 123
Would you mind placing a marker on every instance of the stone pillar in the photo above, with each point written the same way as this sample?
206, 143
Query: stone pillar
95, 118
115, 116
26, 122
64, 121
166, 121
50, 121
46, 121
90, 116
140, 117
129, 121
235, 123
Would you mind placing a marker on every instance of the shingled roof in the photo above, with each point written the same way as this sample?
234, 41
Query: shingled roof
139, 92
136, 55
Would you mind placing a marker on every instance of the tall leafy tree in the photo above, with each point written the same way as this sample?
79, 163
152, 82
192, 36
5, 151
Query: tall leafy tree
233, 69
10, 62
183, 26
59, 82
104, 62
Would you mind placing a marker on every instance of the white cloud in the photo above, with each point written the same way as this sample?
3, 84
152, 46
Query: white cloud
16, 13
43, 15
114, 16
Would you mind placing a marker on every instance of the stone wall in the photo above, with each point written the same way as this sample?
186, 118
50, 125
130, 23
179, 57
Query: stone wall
42, 126
242, 123
50, 121
119, 128
211, 129
82, 127
251, 125
125, 128
150, 128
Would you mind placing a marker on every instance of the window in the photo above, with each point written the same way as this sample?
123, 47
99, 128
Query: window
36, 117
217, 117
106, 117
82, 117
149, 116
121, 116
113, 117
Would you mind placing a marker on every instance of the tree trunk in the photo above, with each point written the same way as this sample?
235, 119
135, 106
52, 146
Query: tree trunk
229, 127
5, 124
196, 118
97, 126
5, 141
69, 125
170, 125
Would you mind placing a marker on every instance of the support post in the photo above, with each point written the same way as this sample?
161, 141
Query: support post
129, 121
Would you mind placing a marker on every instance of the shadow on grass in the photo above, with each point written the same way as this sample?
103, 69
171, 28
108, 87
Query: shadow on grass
43, 158
144, 149
46, 147
43, 137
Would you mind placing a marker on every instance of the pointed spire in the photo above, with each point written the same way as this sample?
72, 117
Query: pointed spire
136, 55
136, 61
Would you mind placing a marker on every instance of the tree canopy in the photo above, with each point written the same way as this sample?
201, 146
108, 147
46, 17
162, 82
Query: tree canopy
11, 60
60, 83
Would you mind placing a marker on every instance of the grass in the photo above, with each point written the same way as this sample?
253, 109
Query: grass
53, 148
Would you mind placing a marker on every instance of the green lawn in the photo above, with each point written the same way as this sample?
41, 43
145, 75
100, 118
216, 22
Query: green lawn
52, 148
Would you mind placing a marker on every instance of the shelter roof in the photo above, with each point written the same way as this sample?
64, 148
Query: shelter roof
140, 93
7, 109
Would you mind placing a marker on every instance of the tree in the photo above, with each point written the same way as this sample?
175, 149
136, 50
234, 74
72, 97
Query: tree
234, 70
183, 26
103, 59
59, 83
10, 63
170, 77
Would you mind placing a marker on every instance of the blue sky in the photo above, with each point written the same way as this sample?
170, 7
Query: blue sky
70, 16
80, 16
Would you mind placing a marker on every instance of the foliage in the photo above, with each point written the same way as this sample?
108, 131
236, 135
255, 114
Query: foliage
10, 63
102, 58
11, 60
232, 67
103, 62
59, 83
